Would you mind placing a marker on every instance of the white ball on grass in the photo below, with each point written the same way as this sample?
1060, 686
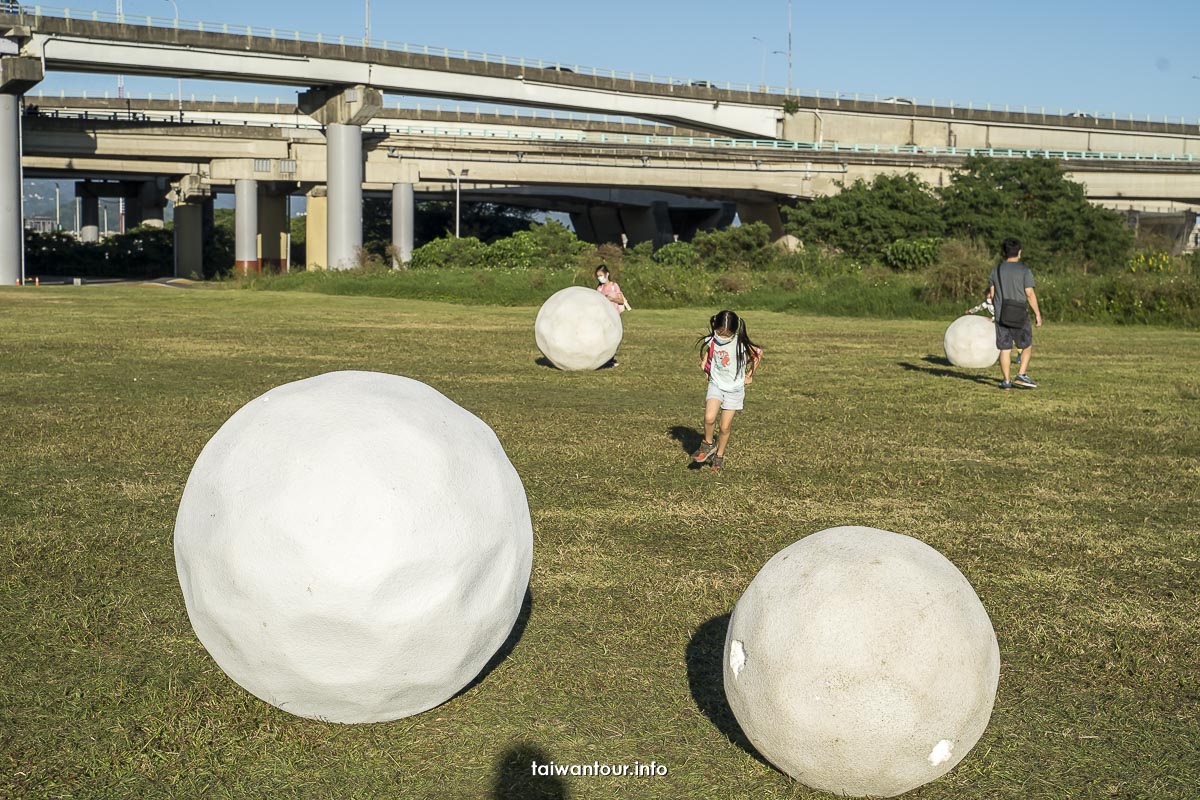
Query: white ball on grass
578, 328
970, 342
353, 547
861, 662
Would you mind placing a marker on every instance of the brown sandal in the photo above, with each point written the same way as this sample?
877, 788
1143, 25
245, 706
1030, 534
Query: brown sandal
718, 462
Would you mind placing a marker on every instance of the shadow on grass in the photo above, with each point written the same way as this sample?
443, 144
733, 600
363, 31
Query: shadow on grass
542, 361
515, 779
947, 373
706, 681
689, 439
510, 643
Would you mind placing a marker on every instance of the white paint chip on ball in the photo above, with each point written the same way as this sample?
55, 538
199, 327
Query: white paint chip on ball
578, 329
970, 342
868, 645
356, 549
941, 752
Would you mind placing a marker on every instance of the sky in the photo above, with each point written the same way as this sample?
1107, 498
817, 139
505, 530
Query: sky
1098, 56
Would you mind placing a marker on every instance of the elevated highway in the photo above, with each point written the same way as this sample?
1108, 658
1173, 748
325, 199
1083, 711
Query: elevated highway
729, 142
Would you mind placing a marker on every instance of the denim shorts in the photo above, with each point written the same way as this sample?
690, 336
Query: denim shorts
730, 401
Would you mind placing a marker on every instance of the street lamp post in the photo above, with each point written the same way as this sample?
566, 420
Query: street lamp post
789, 54
458, 176
57, 209
367, 25
120, 78
180, 81
763, 76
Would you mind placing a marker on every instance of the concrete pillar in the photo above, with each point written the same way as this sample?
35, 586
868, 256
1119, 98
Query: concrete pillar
344, 177
343, 110
606, 224
316, 249
18, 74
581, 221
131, 194
152, 201
245, 249
403, 223
273, 231
189, 240
762, 212
637, 222
89, 213
12, 226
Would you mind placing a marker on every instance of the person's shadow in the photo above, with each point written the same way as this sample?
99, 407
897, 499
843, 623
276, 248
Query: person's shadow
516, 779
689, 439
706, 681
542, 361
941, 371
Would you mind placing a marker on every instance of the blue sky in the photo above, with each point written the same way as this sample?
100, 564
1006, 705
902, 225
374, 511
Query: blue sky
1097, 56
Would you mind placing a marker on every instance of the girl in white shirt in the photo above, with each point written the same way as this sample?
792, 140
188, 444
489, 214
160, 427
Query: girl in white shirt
729, 358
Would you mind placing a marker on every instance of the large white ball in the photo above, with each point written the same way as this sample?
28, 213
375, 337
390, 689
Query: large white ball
971, 342
861, 662
578, 328
353, 547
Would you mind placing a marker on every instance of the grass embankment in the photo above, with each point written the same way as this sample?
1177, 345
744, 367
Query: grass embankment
1071, 509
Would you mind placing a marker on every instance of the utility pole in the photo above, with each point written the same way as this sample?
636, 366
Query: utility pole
367, 27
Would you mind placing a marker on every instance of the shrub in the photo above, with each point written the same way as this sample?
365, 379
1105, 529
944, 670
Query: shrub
449, 252
959, 274
911, 254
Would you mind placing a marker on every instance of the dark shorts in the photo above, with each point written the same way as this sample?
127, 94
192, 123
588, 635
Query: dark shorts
1021, 337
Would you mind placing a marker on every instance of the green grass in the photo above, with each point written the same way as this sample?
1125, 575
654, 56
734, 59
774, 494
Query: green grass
1071, 509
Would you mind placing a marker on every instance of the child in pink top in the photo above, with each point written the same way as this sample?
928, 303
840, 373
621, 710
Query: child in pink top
611, 290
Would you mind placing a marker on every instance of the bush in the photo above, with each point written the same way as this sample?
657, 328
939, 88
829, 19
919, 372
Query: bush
445, 253
960, 273
741, 247
911, 254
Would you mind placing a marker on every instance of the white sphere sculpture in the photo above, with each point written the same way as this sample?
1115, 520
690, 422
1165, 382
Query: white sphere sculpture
578, 328
971, 342
861, 662
353, 547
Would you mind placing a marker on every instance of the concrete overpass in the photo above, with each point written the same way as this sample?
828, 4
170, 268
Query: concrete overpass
345, 82
588, 172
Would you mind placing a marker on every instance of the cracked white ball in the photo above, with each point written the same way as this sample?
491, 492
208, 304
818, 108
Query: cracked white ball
578, 328
861, 662
353, 547
970, 342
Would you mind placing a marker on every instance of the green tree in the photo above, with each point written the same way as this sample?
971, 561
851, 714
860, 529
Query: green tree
990, 199
865, 218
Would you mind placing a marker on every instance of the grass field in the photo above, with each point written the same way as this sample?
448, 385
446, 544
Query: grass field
1071, 509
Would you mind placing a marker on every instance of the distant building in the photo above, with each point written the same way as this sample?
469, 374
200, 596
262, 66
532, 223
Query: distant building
40, 224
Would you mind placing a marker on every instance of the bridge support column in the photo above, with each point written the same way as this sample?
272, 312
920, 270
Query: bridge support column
193, 210
152, 200
245, 249
12, 226
17, 76
767, 213
273, 231
89, 212
403, 224
316, 248
189, 240
343, 111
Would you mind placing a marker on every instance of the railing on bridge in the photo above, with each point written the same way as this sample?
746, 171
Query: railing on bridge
649, 140
549, 64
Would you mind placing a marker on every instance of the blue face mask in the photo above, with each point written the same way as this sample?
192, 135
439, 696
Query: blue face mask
721, 341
